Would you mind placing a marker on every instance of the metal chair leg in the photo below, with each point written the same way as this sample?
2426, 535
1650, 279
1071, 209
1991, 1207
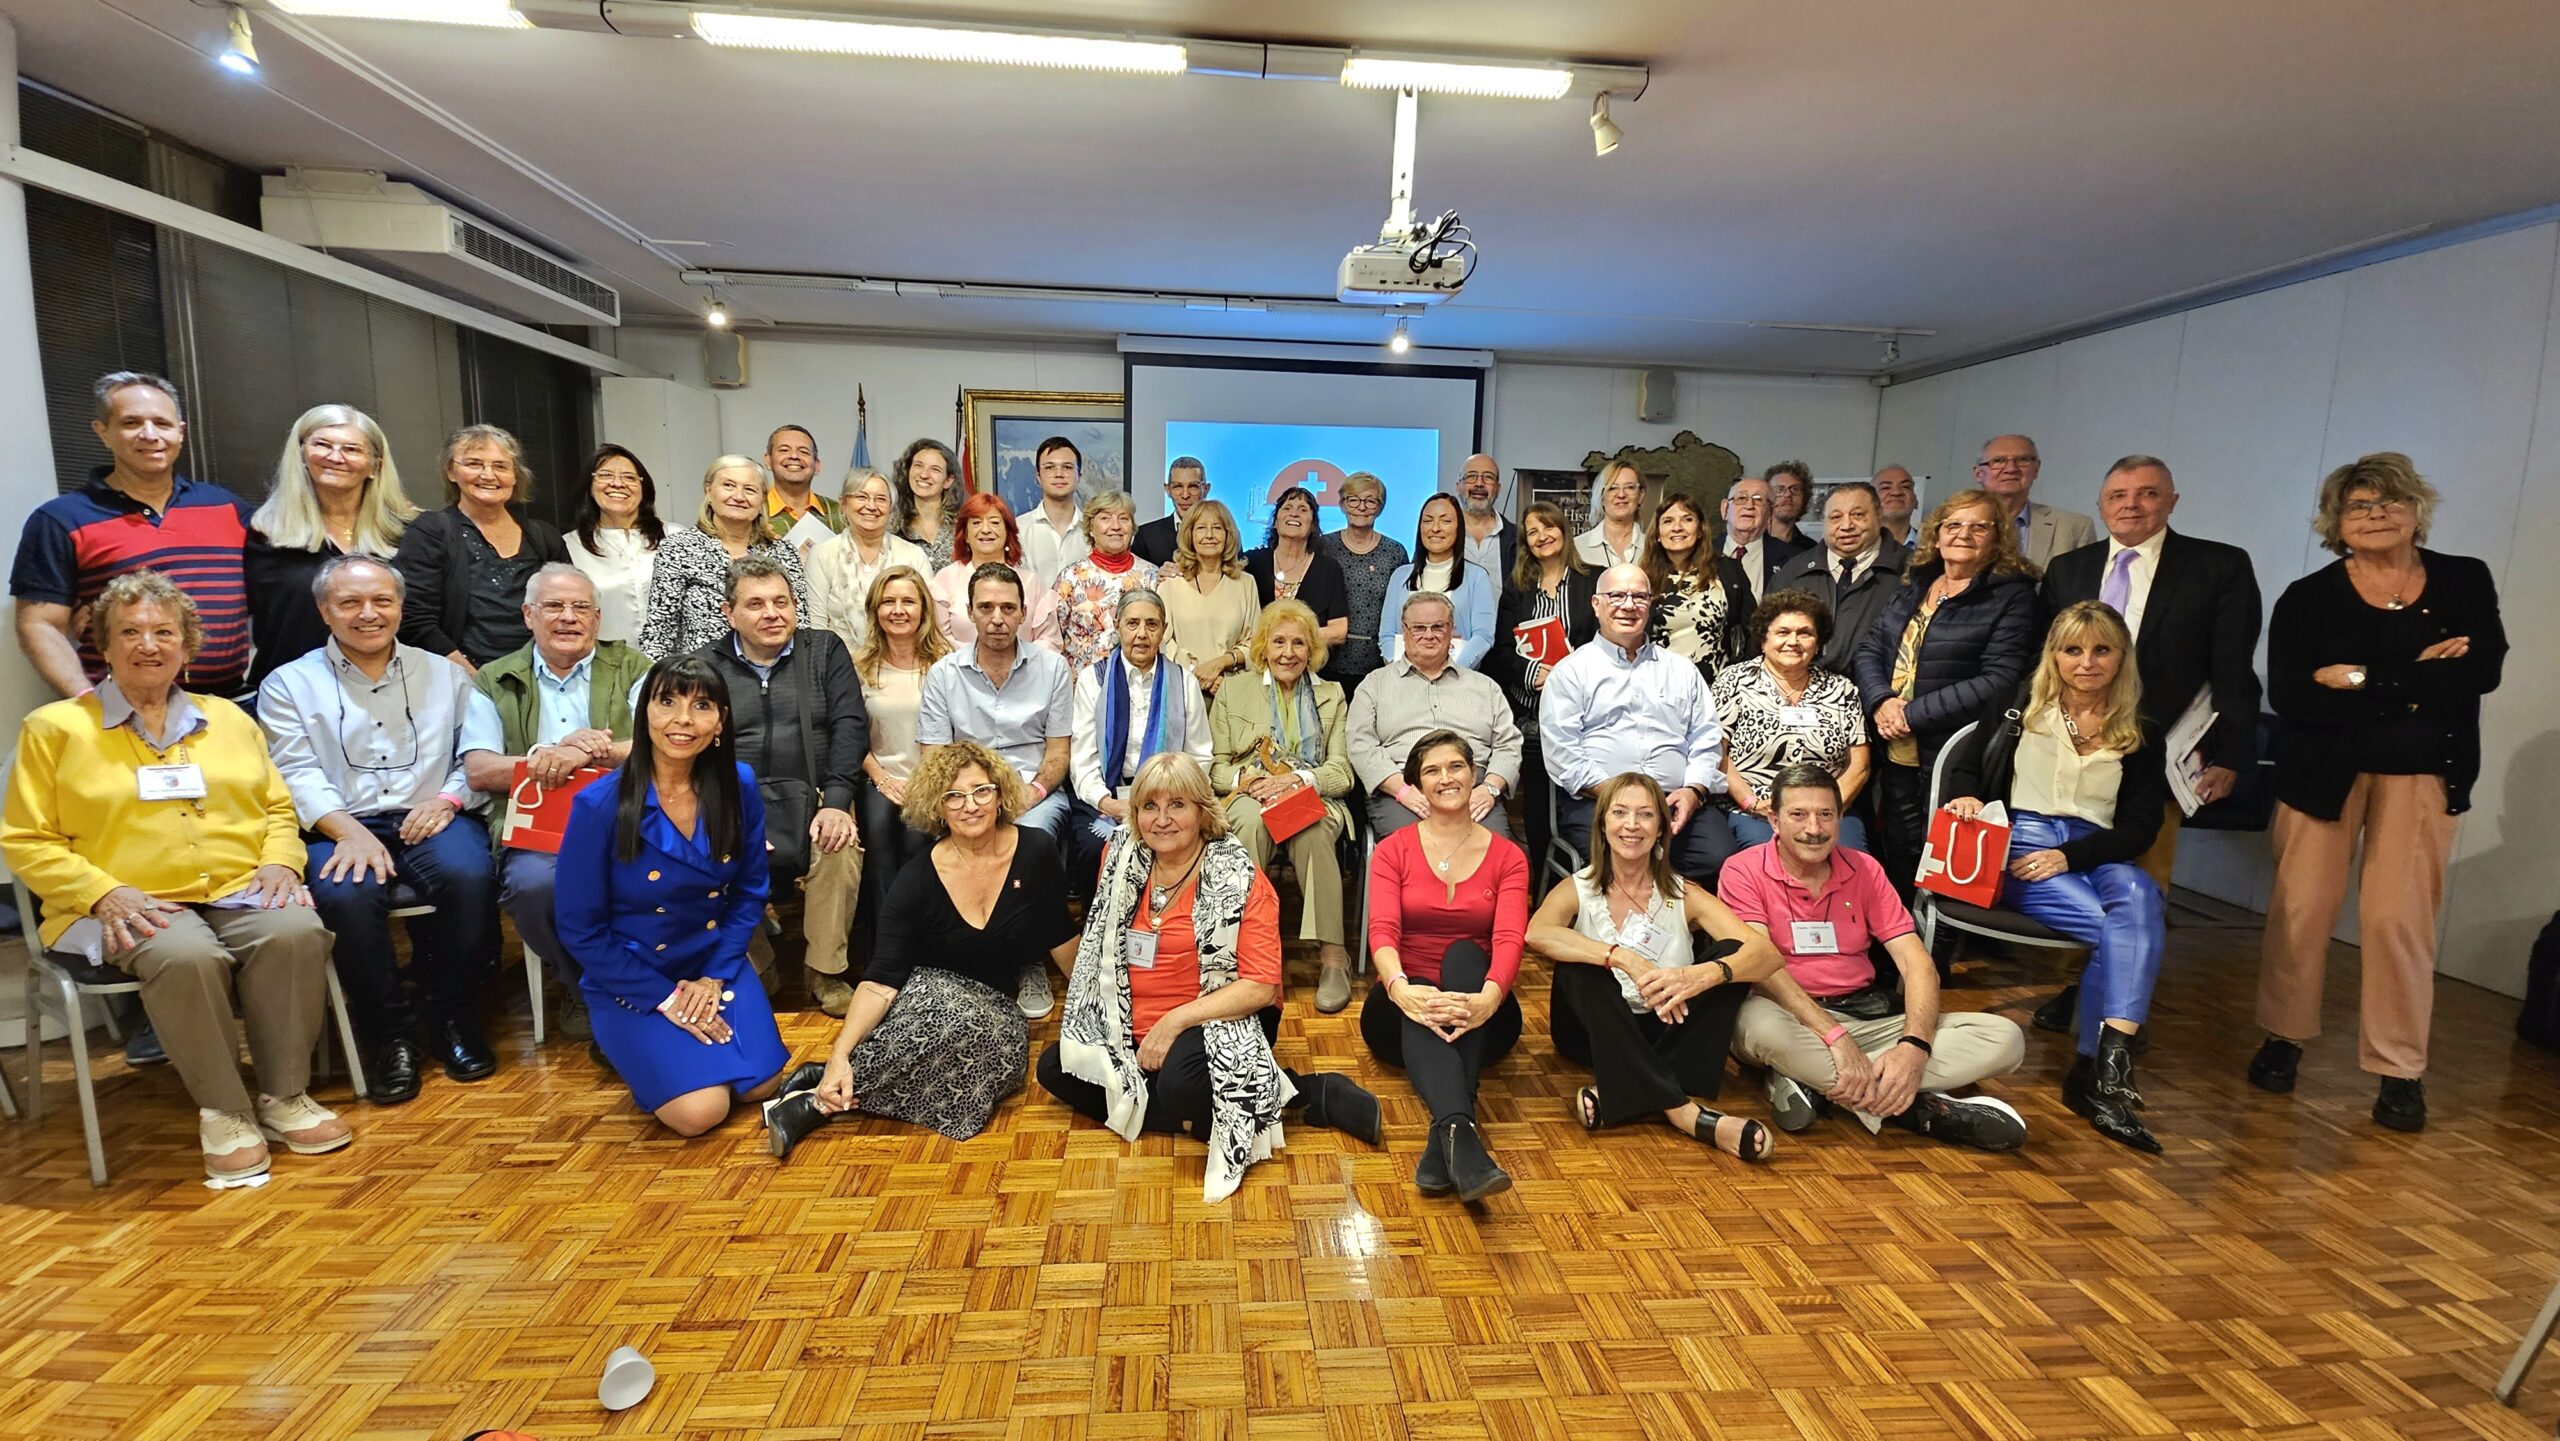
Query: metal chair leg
35, 1047
346, 1033
2536, 1336
8, 1103
87, 1088
533, 988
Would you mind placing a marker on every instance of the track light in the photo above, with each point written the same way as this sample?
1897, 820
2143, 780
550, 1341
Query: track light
1399, 342
1605, 134
924, 42
718, 316
486, 14
239, 50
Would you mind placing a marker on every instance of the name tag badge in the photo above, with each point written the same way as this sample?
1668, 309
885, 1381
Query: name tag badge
1139, 947
1798, 717
1814, 938
170, 783
1639, 936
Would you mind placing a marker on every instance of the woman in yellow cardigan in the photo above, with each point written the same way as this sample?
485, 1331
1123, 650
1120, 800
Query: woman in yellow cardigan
162, 843
1272, 728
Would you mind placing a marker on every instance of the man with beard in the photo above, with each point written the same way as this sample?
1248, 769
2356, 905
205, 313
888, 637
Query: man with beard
1493, 543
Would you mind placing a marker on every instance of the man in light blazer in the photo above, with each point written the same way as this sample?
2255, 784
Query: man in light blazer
2008, 468
2192, 606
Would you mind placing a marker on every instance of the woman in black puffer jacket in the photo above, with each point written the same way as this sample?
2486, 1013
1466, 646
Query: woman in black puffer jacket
1959, 635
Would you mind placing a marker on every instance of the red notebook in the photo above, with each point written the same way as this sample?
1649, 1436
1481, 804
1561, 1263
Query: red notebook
538, 814
1544, 641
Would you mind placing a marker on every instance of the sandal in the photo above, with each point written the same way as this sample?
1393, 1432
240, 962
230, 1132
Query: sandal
1753, 1144
1586, 1107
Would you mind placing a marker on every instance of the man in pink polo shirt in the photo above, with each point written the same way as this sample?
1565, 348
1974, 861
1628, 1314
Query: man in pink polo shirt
1823, 1026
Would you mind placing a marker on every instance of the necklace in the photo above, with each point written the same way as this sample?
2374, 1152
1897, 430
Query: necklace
1159, 895
2395, 602
1442, 865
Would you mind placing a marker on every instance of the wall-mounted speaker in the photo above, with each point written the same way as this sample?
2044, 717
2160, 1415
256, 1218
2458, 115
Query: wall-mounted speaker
1655, 393
724, 359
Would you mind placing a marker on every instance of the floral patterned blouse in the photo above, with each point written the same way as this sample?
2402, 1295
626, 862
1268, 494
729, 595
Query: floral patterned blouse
691, 581
1754, 711
1088, 601
1691, 620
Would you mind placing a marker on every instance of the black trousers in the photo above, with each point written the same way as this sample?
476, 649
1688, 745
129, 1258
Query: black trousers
888, 838
1902, 822
1640, 1065
1443, 1072
1177, 1097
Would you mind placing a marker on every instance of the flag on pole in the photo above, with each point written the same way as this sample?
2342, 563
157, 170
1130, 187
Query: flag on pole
861, 431
960, 440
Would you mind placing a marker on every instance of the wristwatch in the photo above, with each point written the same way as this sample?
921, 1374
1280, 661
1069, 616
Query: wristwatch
2355, 677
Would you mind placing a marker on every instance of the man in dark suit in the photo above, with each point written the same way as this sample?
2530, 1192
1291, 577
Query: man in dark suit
1186, 484
1854, 570
2192, 606
1747, 542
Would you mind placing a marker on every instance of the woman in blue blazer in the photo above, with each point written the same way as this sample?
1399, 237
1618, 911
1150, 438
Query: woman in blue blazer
661, 883
1440, 563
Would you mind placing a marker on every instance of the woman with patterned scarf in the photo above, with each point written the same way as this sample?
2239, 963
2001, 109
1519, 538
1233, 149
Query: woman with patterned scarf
1175, 994
1128, 706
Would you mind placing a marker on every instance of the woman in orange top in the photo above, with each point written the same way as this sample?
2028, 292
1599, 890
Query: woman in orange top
1183, 939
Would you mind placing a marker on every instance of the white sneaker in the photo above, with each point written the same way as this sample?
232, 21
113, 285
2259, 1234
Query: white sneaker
1034, 997
1790, 1104
306, 1127
233, 1149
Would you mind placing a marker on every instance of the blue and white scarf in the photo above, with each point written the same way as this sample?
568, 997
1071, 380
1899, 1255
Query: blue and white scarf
1162, 718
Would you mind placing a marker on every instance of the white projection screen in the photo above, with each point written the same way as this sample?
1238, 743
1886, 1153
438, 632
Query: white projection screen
1263, 424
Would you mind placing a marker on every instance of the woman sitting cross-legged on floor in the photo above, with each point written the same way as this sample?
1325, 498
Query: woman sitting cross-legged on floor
934, 1036
2085, 785
1448, 903
662, 881
1635, 999
1174, 998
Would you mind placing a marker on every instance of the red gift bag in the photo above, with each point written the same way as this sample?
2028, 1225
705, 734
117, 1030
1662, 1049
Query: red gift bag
1292, 813
538, 815
1966, 858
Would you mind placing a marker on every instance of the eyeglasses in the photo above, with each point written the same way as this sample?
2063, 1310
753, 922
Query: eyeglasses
2006, 462
1967, 527
978, 795
1363, 502
565, 607
485, 467
1626, 599
1739, 502
2374, 509
1429, 628
348, 450
627, 477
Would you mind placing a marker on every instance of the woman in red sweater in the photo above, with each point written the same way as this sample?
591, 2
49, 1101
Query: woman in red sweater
1448, 903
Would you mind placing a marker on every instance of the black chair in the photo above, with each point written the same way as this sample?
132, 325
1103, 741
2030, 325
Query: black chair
1929, 910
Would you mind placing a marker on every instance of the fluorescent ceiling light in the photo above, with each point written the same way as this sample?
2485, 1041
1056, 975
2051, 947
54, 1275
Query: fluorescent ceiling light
1442, 77
920, 42
490, 14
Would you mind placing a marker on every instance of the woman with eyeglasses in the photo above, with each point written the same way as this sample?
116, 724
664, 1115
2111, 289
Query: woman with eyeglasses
466, 565
336, 492
843, 566
1700, 598
934, 1037
1367, 560
1440, 563
1959, 635
2375, 666
614, 540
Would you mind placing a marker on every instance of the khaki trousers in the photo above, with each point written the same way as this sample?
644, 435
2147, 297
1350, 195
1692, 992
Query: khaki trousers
827, 896
1966, 1048
187, 973
2408, 839
1311, 854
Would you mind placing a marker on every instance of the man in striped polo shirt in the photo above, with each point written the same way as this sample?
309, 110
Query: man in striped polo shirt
137, 513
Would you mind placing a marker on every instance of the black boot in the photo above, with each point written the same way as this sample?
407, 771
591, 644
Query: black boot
1471, 1167
2402, 1106
1431, 1173
2056, 1014
788, 1121
2275, 1066
1338, 1103
2110, 1097
802, 1077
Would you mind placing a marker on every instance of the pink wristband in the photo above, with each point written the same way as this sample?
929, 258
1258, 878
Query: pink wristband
1832, 1037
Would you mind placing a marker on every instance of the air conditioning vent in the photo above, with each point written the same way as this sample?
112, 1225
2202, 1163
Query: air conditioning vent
366, 217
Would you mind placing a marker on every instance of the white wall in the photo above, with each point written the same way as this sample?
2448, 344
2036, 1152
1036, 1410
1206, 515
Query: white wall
2452, 356
1542, 417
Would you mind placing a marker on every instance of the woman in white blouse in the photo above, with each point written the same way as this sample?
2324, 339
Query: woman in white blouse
843, 566
614, 540
900, 642
1210, 604
1619, 537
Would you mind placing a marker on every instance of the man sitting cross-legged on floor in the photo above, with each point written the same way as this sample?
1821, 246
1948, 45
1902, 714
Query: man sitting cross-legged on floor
1824, 1026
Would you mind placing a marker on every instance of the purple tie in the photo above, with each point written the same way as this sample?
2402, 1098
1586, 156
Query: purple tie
2119, 586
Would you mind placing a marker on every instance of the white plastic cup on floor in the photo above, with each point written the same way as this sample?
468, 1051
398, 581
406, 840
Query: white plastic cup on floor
627, 1379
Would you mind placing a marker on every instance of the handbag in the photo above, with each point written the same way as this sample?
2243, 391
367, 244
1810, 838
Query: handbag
538, 815
791, 803
1965, 859
1300, 808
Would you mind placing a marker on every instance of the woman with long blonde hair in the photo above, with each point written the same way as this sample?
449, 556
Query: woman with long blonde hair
2084, 780
1210, 604
335, 493
901, 640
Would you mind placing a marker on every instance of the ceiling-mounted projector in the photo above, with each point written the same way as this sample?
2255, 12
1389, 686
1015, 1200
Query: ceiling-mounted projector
1423, 266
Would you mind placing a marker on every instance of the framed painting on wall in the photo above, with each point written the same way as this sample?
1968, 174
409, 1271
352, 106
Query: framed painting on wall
1005, 428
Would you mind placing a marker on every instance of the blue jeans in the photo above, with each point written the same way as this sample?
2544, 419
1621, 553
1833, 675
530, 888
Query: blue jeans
2115, 910
524, 888
451, 952
1749, 830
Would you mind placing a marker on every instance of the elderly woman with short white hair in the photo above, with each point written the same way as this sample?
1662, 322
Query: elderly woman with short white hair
691, 585
1174, 999
162, 843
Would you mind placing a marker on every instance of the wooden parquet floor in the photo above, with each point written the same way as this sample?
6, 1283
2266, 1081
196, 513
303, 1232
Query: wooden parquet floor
2287, 1270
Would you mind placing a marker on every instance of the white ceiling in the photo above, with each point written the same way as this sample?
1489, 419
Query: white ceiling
1984, 169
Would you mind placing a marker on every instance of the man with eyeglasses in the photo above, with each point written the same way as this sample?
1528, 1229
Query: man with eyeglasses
1421, 692
1493, 542
368, 733
2008, 469
1620, 703
791, 459
1018, 701
1186, 484
1790, 489
559, 705
797, 719
1746, 534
